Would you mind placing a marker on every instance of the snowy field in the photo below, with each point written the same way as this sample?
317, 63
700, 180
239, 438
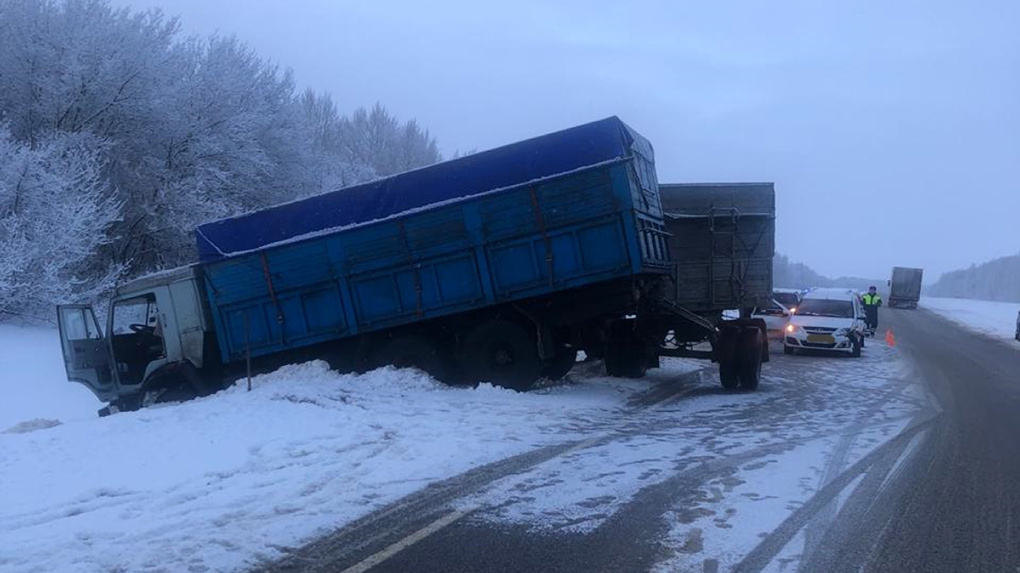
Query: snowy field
33, 382
995, 319
219, 483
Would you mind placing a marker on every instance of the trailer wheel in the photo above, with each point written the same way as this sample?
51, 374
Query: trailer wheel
625, 351
501, 352
412, 351
561, 364
726, 356
749, 358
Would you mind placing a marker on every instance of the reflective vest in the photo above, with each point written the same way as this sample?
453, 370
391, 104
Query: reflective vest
871, 299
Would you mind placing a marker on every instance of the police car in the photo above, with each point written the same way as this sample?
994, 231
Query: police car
827, 320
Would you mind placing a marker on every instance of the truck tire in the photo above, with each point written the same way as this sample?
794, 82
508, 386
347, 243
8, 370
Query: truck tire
501, 352
561, 364
726, 356
412, 351
625, 351
749, 357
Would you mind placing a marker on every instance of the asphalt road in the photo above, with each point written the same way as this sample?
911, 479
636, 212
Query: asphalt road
940, 493
956, 507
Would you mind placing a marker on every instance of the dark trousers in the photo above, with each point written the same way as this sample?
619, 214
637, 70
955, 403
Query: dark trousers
871, 314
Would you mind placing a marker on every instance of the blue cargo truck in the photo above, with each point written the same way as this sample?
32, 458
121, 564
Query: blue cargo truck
500, 266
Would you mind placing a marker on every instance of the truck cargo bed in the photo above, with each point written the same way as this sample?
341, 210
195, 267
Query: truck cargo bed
722, 240
283, 278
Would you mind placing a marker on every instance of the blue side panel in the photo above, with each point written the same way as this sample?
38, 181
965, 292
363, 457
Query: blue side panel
503, 167
591, 225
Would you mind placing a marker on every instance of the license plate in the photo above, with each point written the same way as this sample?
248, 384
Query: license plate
821, 339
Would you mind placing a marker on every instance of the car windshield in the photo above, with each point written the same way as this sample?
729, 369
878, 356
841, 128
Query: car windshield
787, 299
826, 307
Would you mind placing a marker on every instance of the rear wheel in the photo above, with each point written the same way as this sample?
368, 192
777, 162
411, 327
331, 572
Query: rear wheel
726, 356
625, 351
558, 367
750, 356
412, 351
501, 352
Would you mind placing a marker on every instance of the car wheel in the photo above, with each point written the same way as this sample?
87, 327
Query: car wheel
788, 350
855, 350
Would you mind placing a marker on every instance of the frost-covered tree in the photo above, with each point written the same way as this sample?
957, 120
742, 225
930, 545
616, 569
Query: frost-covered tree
998, 280
56, 211
184, 129
378, 139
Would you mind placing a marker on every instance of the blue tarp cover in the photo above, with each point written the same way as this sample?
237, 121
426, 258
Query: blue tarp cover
503, 167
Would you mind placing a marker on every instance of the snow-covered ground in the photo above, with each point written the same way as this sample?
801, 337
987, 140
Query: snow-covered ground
223, 482
218, 483
33, 384
996, 319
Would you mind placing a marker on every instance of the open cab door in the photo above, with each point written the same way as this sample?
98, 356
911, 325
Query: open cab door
86, 354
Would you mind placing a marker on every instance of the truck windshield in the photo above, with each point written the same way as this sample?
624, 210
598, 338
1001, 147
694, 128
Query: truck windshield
137, 337
826, 307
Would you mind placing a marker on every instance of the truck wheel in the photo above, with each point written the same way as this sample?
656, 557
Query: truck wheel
411, 351
501, 352
625, 351
749, 357
562, 363
725, 351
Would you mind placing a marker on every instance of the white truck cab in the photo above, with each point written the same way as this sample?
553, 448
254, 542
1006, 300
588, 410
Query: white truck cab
156, 337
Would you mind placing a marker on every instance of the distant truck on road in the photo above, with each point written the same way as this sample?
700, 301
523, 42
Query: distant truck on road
905, 287
499, 266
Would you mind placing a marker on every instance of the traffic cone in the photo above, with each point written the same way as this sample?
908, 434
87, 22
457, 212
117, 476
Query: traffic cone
890, 338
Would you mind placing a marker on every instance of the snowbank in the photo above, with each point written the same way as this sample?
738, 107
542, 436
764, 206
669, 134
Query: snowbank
33, 383
996, 319
217, 483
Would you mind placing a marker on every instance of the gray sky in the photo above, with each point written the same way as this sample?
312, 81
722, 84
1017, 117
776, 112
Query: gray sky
891, 128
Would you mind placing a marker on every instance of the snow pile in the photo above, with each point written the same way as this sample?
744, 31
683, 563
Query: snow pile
220, 482
996, 319
33, 382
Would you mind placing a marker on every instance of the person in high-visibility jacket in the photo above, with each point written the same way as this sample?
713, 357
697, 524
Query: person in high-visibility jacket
871, 303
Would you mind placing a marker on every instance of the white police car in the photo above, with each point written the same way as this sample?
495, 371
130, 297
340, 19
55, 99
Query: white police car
827, 320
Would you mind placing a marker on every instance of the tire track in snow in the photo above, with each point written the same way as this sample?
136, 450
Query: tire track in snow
394, 522
885, 455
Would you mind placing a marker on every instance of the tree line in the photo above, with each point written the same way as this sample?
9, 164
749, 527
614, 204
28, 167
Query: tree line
119, 134
789, 274
997, 280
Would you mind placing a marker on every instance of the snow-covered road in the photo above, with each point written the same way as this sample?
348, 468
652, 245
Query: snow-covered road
223, 482
246, 479
701, 479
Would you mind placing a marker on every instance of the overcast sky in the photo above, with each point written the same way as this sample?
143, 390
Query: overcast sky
891, 128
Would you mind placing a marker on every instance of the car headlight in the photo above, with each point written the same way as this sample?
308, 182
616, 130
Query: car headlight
791, 328
842, 332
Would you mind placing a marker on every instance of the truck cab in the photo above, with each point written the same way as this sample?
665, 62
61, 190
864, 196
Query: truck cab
156, 338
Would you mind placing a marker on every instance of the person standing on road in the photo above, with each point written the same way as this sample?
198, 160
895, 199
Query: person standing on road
871, 303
